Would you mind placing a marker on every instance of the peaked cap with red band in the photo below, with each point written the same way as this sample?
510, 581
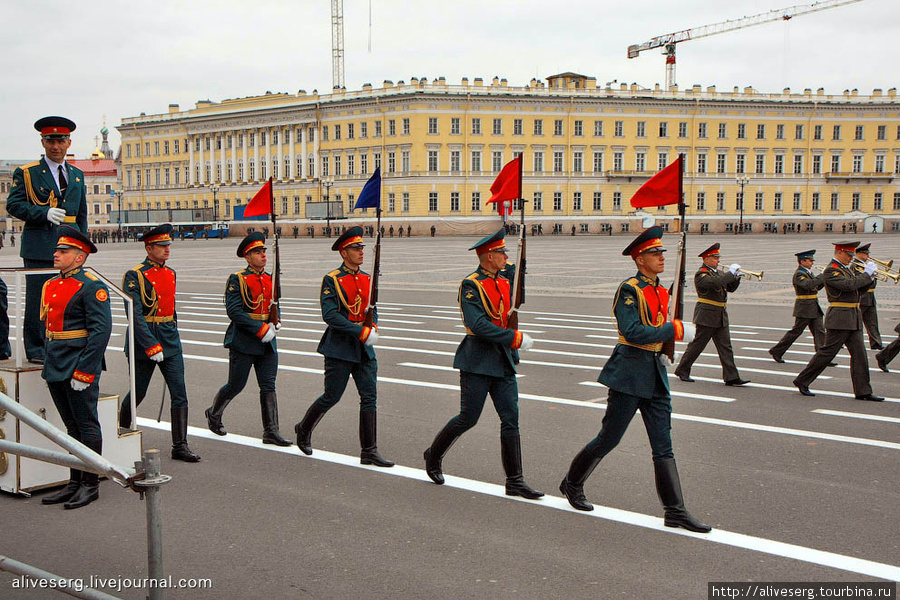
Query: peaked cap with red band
492, 243
161, 235
252, 242
845, 246
711, 251
54, 126
70, 237
650, 240
352, 238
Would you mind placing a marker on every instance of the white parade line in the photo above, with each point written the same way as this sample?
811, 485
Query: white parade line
852, 415
824, 558
674, 393
782, 388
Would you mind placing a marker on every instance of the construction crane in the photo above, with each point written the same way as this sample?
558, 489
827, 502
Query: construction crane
337, 44
669, 40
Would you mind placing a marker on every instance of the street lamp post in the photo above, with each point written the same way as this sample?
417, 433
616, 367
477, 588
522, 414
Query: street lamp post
215, 190
119, 194
742, 180
328, 182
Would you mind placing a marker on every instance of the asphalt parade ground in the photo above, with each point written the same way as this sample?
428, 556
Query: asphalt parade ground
796, 488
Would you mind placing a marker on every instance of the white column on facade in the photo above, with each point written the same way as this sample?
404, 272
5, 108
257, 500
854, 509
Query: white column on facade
318, 166
224, 136
190, 149
268, 152
256, 154
304, 162
202, 178
294, 171
245, 134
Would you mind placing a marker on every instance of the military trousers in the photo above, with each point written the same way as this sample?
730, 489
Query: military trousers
33, 336
890, 351
721, 337
5, 347
816, 328
859, 364
870, 320
172, 369
239, 365
656, 413
78, 410
337, 375
473, 391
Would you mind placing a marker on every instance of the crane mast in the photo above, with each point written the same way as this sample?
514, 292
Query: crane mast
669, 40
337, 44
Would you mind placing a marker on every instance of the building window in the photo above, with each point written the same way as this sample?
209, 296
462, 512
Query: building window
858, 136
761, 131
392, 127
723, 131
641, 129
432, 161
720, 201
337, 167
598, 129
363, 130
404, 161
619, 129
798, 132
882, 133
759, 202
557, 201
836, 133
497, 127
598, 162
617, 200
798, 201
392, 162
576, 201
854, 201
816, 201
517, 126
879, 163
455, 126
538, 127
476, 161
578, 162
779, 163
640, 161
739, 165
496, 160
701, 201
721, 163
392, 202
476, 126
405, 123
405, 201
618, 161
476, 201
663, 129
432, 201
579, 128
798, 164
598, 201
835, 163
742, 131
351, 165
558, 161
778, 197
779, 131
857, 163
455, 161
896, 200
538, 201
878, 201
377, 129
701, 131
454, 201
835, 201
816, 164
701, 162
662, 161
538, 161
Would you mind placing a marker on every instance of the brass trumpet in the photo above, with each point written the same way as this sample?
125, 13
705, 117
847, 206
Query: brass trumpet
879, 274
884, 265
751, 274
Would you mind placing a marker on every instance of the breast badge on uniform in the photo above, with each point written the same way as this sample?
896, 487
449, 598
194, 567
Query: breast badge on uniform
326, 292
469, 295
628, 301
101, 295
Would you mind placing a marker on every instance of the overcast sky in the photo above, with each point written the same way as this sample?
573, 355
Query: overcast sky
87, 60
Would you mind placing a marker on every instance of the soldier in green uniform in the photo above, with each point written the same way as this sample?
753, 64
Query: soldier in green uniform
250, 340
711, 318
487, 359
884, 357
637, 379
45, 194
807, 313
348, 346
867, 303
843, 323
151, 286
75, 311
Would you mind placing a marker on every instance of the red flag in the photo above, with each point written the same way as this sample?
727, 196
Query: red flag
661, 189
261, 204
506, 186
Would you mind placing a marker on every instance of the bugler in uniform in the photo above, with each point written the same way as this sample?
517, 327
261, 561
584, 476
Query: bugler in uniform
487, 359
843, 324
45, 194
250, 339
348, 346
151, 286
711, 318
637, 378
75, 311
807, 312
867, 305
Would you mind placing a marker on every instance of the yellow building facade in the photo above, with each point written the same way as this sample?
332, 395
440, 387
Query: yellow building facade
806, 160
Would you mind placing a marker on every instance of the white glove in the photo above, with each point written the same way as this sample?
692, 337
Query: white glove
871, 267
268, 336
157, 358
527, 343
56, 215
278, 326
690, 330
372, 339
666, 362
78, 386
735, 269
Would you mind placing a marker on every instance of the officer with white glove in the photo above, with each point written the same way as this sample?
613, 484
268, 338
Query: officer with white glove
56, 216
735, 269
870, 268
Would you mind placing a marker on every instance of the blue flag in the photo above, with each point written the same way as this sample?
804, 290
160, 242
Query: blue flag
370, 196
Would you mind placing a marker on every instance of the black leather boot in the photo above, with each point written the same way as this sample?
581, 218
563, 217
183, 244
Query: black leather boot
90, 482
668, 486
435, 453
268, 403
125, 413
180, 449
511, 455
368, 441
214, 414
572, 485
304, 428
68, 491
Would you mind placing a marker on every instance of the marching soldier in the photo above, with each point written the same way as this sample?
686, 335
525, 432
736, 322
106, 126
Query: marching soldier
637, 378
151, 285
843, 323
487, 359
45, 194
250, 339
711, 318
75, 310
807, 312
348, 346
884, 357
867, 304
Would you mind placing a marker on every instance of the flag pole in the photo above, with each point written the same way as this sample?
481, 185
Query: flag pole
275, 303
